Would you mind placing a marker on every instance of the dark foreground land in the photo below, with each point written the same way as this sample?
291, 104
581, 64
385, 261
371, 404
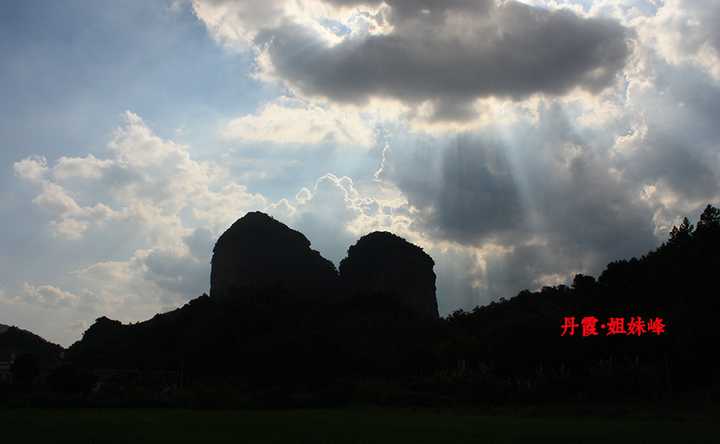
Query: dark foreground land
356, 425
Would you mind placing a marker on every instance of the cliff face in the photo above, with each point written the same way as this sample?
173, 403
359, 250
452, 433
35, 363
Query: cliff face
258, 253
386, 264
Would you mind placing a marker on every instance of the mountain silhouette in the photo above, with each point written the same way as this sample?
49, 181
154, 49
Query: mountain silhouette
383, 263
268, 335
15, 342
258, 254
275, 302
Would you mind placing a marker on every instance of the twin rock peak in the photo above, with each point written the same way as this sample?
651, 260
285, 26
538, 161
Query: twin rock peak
259, 254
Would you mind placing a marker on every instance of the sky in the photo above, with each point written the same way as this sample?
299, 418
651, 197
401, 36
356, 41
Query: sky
518, 143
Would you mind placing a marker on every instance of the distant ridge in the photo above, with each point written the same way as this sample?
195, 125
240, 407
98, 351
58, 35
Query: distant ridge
16, 341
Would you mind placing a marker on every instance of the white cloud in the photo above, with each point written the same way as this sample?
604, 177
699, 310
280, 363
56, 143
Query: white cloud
685, 31
48, 296
236, 24
148, 181
51, 298
80, 167
295, 122
151, 281
33, 168
54, 198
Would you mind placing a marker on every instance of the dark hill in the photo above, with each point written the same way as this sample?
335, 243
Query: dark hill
158, 343
382, 263
258, 253
519, 340
17, 342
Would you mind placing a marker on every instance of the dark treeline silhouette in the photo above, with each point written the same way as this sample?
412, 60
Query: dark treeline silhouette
23, 356
521, 341
282, 326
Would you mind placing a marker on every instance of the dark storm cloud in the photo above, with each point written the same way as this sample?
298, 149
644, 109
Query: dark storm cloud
549, 195
466, 187
454, 54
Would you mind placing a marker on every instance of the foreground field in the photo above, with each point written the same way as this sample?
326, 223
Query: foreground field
335, 426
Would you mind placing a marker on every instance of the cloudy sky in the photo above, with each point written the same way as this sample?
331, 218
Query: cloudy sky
519, 143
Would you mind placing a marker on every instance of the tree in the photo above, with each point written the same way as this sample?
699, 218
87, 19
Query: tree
583, 283
709, 220
683, 233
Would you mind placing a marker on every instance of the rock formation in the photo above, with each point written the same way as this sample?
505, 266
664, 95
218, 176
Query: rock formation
386, 264
275, 300
258, 253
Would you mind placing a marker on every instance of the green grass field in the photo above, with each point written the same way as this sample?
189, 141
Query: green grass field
335, 426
